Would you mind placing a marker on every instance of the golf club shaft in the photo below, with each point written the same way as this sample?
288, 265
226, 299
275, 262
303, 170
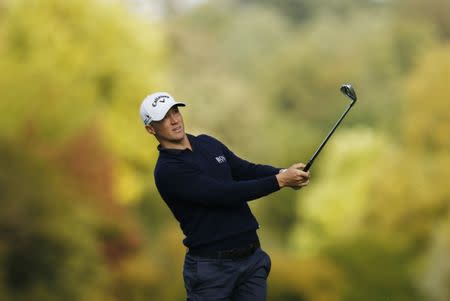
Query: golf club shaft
310, 162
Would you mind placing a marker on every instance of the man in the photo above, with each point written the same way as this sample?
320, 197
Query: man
207, 188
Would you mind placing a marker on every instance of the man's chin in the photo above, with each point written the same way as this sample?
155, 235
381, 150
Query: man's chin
173, 139
178, 137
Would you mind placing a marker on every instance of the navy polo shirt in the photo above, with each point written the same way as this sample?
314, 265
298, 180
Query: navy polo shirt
207, 190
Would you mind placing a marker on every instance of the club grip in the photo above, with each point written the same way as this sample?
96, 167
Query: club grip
307, 166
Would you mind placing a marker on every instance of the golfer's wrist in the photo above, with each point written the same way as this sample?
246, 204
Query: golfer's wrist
280, 178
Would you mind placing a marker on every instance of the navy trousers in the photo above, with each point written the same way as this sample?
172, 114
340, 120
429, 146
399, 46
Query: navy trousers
227, 279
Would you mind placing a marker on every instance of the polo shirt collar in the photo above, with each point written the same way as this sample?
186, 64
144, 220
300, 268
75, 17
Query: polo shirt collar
176, 151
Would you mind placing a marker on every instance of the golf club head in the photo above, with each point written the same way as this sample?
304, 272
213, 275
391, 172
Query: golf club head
348, 90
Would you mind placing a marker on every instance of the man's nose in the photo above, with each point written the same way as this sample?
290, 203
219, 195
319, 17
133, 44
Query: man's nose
173, 119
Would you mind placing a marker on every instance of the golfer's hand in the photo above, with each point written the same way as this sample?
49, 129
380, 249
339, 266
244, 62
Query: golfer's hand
293, 177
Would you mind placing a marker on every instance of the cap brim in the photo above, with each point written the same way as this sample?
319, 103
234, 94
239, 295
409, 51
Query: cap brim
178, 104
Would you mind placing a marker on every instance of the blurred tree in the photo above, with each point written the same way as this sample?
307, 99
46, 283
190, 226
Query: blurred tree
338, 219
426, 129
373, 270
398, 200
333, 208
426, 121
84, 65
433, 11
307, 72
48, 243
296, 10
436, 277
304, 10
276, 83
232, 50
301, 279
74, 73
419, 176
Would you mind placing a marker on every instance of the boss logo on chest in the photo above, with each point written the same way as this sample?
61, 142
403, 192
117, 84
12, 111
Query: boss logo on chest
221, 159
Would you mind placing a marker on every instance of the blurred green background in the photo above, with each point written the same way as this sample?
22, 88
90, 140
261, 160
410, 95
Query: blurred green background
80, 217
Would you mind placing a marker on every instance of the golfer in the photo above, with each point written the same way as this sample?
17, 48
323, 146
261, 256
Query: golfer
207, 187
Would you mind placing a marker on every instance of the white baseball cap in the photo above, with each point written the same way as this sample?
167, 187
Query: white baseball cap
155, 106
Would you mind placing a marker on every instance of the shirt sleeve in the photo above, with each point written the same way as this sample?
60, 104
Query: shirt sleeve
180, 183
245, 170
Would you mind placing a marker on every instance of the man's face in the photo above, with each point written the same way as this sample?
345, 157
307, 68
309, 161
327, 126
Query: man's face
170, 129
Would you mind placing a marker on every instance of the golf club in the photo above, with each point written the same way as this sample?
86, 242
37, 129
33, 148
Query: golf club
348, 90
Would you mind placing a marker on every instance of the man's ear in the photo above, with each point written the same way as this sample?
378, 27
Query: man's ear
150, 129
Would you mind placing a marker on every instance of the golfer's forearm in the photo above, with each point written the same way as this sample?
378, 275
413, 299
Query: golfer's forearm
244, 170
209, 192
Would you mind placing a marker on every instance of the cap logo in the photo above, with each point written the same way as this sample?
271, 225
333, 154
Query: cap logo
160, 98
147, 119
